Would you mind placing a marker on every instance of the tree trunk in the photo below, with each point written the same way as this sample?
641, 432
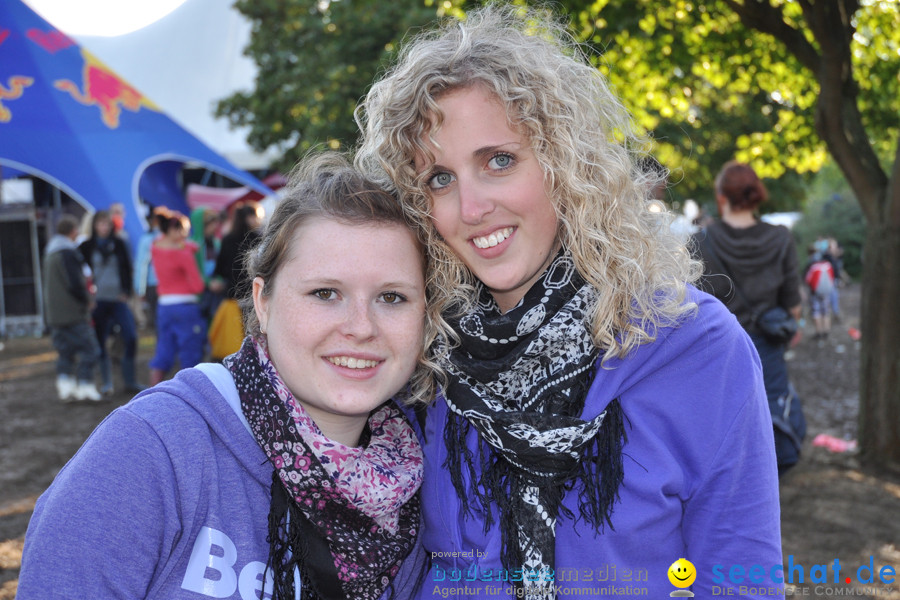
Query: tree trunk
879, 394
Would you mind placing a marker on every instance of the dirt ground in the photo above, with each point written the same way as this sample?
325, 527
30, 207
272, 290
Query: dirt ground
831, 508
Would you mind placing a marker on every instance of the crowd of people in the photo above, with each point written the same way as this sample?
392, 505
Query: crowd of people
181, 284
471, 348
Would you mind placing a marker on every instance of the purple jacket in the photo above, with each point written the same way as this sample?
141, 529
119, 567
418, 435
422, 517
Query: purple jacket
700, 479
167, 499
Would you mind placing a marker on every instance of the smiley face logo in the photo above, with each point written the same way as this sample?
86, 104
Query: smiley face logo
682, 573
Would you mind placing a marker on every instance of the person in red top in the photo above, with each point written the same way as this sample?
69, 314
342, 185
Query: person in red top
181, 329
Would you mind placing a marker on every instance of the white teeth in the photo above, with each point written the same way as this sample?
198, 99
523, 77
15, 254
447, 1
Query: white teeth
493, 239
351, 362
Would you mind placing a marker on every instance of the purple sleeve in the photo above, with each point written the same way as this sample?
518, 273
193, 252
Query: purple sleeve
104, 526
732, 520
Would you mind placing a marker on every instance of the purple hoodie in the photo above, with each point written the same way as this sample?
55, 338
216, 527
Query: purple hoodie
168, 498
700, 480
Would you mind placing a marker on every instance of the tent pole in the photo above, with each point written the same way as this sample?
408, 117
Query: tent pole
38, 276
2, 300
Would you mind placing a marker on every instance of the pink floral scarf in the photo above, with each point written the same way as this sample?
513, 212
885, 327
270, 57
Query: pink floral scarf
346, 517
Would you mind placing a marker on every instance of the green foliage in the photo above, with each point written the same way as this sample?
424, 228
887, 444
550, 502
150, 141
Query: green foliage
877, 61
832, 211
706, 88
695, 79
316, 59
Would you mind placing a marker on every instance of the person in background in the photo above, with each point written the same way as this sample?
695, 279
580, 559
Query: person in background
181, 328
117, 216
204, 234
230, 279
110, 261
84, 228
598, 409
288, 471
145, 281
820, 276
67, 311
116, 342
760, 260
836, 255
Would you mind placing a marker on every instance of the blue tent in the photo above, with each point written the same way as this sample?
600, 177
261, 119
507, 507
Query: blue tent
68, 119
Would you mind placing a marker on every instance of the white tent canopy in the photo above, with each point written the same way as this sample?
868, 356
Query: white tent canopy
185, 63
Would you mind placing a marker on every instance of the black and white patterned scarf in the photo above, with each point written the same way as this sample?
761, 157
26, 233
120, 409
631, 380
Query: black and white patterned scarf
345, 518
520, 379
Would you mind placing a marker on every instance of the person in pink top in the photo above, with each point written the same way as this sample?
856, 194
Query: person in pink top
181, 329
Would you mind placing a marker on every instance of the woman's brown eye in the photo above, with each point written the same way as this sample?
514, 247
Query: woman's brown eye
392, 298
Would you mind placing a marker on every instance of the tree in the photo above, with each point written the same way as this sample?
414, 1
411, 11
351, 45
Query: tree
316, 59
824, 76
780, 84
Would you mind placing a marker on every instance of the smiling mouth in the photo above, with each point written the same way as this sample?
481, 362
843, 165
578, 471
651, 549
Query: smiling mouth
351, 362
492, 240
679, 578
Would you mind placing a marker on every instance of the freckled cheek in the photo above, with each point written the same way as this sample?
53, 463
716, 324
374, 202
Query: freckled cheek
404, 333
296, 322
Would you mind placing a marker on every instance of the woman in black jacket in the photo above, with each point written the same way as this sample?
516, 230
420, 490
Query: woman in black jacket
751, 266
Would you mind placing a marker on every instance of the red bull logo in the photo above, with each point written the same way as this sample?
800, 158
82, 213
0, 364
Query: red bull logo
13, 89
104, 89
51, 41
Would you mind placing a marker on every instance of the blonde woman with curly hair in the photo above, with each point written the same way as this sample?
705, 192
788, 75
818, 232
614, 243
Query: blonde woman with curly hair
597, 411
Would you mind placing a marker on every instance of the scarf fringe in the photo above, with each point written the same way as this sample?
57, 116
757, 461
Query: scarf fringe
600, 470
603, 470
287, 549
525, 401
310, 531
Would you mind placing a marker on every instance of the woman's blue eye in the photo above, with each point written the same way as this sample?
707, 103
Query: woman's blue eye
500, 161
440, 180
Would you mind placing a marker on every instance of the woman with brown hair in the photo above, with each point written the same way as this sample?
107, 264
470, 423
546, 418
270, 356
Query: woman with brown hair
751, 266
289, 471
